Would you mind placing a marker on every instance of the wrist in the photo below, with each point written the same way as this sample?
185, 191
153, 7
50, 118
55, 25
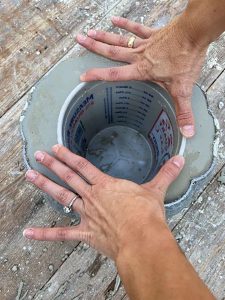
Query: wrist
193, 30
140, 263
140, 239
202, 22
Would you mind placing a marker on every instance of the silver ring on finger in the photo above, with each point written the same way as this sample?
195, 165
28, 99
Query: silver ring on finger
68, 208
131, 41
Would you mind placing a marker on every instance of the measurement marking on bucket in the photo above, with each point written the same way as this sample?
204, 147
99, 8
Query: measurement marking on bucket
162, 137
128, 123
125, 118
135, 106
141, 91
128, 115
128, 111
109, 104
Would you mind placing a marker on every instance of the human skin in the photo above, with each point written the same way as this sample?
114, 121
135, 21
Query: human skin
119, 218
124, 221
171, 56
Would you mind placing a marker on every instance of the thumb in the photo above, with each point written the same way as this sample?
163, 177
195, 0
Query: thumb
182, 95
167, 174
185, 117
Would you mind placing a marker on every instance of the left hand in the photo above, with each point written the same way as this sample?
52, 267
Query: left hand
113, 211
167, 56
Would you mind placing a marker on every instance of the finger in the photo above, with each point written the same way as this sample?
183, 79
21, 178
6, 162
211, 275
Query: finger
57, 192
109, 51
136, 28
182, 93
65, 173
57, 234
185, 116
167, 174
112, 38
79, 164
127, 72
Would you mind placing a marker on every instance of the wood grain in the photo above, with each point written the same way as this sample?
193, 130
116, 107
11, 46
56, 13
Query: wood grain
42, 32
36, 37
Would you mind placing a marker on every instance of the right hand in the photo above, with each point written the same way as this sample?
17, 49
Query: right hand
167, 56
114, 212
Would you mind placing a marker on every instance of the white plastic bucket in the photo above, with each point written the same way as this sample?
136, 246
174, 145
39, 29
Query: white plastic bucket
126, 129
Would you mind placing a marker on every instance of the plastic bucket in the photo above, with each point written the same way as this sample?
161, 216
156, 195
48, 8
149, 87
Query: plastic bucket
126, 129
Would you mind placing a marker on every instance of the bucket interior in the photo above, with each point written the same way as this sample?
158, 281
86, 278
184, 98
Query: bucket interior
126, 129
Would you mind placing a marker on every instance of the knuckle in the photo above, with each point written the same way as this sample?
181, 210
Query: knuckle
135, 56
187, 115
42, 183
113, 74
86, 237
92, 44
170, 171
121, 40
101, 34
142, 69
49, 161
61, 234
124, 21
81, 164
137, 27
62, 195
113, 51
184, 92
43, 235
94, 74
68, 176
182, 89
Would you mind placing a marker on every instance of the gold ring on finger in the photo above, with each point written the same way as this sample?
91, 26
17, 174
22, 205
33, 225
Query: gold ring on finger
131, 40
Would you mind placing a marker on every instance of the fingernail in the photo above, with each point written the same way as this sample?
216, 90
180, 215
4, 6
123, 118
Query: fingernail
82, 77
39, 156
81, 38
92, 33
178, 161
56, 147
187, 130
31, 175
28, 233
115, 18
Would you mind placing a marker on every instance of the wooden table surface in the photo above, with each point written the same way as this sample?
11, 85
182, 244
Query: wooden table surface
34, 36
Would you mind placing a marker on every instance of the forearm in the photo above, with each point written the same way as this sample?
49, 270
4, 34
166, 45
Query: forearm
204, 20
154, 267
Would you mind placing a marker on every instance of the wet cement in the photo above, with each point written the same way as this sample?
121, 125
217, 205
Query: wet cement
39, 124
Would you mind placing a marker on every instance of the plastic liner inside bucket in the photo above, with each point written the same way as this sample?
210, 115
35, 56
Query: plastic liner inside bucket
126, 129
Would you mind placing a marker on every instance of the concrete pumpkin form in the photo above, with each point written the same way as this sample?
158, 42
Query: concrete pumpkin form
137, 117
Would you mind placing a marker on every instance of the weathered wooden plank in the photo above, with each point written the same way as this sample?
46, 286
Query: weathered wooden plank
36, 37
32, 263
22, 260
214, 63
81, 277
41, 32
201, 236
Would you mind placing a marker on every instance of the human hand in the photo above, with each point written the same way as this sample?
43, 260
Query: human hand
113, 211
167, 56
